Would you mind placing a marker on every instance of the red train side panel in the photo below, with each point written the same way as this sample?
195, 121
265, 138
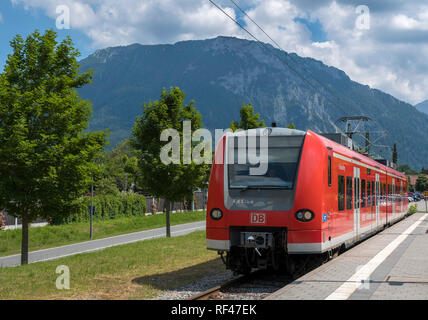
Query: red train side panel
347, 195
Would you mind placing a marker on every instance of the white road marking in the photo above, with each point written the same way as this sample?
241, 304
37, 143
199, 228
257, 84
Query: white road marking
363, 274
173, 233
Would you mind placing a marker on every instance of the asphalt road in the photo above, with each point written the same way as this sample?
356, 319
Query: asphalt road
94, 245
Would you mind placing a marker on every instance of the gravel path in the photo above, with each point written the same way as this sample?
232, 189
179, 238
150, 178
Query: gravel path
255, 289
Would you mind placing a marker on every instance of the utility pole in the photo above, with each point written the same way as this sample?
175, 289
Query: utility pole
91, 208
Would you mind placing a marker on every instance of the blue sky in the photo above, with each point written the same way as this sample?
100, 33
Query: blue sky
390, 54
16, 20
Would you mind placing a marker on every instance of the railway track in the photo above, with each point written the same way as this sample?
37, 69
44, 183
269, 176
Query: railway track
258, 284
254, 286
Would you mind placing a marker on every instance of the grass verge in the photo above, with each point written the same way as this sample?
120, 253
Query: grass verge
139, 270
54, 236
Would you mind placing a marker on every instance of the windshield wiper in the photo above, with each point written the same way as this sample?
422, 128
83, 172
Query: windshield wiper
263, 187
250, 187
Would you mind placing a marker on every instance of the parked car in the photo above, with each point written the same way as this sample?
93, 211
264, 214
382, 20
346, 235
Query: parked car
419, 195
416, 196
410, 199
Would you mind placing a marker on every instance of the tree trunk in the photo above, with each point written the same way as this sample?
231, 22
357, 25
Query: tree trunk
168, 224
24, 244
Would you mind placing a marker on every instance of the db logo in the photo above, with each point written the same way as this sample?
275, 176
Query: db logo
258, 218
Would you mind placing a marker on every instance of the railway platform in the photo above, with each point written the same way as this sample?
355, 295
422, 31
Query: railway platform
391, 265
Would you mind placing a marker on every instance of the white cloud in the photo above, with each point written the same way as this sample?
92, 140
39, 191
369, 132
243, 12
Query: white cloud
112, 23
1, 17
391, 55
401, 21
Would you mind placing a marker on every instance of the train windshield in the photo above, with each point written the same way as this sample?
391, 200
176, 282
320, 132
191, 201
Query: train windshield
283, 157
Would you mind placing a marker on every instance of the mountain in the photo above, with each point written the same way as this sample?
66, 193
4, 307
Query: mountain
223, 73
422, 107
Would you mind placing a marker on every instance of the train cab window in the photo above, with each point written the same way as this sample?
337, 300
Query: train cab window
341, 193
329, 171
348, 193
363, 193
283, 159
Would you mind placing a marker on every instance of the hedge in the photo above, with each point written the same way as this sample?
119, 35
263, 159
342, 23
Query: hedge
107, 207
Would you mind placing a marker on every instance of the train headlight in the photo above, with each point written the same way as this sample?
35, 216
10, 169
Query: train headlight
304, 215
216, 214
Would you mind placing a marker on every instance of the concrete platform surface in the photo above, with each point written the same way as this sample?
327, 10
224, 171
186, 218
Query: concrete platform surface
392, 265
422, 206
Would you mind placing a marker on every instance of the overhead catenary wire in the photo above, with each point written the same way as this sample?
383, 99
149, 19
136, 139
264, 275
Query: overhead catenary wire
278, 56
289, 56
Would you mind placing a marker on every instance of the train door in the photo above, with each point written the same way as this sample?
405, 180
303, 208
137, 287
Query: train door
356, 200
393, 198
401, 197
377, 200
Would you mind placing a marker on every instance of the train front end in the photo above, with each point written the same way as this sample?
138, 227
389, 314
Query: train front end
254, 207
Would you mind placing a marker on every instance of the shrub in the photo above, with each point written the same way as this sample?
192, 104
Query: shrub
106, 207
412, 210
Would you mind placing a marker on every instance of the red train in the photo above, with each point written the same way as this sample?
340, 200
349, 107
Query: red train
315, 198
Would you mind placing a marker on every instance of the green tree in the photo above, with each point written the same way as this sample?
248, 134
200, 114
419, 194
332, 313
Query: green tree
119, 170
249, 119
406, 169
421, 183
45, 158
394, 154
291, 126
174, 181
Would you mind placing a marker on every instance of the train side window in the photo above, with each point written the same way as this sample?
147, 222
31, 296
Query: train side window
384, 189
369, 194
348, 193
400, 199
363, 193
329, 171
341, 193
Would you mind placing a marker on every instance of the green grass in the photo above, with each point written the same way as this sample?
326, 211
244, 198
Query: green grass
139, 270
53, 236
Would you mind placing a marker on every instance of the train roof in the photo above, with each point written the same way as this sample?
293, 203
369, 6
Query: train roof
337, 147
272, 132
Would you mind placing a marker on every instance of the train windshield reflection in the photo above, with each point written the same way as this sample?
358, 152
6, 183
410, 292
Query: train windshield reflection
280, 173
